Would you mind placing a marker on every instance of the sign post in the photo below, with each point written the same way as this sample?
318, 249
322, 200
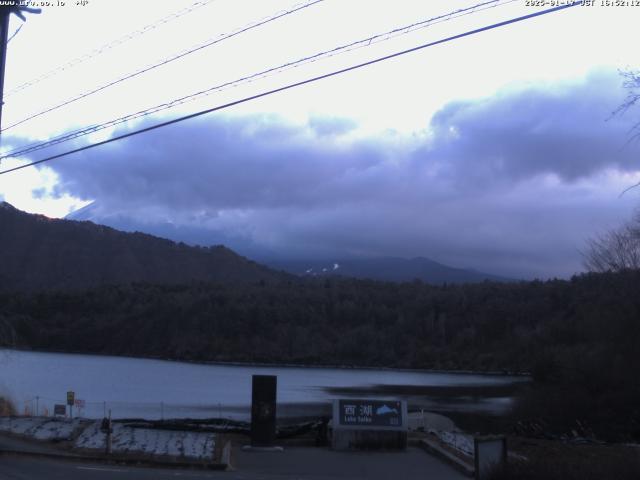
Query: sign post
71, 396
369, 424
107, 428
79, 404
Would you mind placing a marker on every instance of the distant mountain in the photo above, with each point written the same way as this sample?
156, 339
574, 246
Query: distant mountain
386, 269
189, 234
38, 252
383, 268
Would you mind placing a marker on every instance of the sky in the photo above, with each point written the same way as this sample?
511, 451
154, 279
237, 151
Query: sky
498, 151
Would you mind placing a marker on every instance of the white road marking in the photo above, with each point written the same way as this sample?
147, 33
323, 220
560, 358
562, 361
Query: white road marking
192, 475
101, 469
120, 470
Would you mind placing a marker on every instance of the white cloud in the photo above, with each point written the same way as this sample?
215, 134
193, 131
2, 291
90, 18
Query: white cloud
414, 156
528, 175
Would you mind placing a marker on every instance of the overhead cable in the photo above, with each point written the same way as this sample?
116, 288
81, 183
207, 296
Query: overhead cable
108, 46
366, 42
177, 56
298, 84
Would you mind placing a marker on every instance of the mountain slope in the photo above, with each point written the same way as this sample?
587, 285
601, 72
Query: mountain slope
387, 269
375, 268
42, 253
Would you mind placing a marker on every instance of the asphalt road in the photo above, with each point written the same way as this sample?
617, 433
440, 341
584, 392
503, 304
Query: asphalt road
14, 443
25, 468
293, 463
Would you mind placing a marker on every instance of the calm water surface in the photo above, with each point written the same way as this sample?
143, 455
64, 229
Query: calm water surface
133, 387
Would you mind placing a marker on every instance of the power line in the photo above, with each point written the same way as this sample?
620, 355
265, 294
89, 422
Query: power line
300, 83
265, 73
108, 46
16, 31
208, 43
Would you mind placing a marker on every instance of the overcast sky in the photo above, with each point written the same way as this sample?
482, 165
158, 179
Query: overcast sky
498, 151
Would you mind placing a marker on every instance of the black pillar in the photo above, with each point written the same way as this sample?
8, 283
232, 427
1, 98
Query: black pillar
263, 410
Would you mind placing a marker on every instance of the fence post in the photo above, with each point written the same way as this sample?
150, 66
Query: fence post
109, 432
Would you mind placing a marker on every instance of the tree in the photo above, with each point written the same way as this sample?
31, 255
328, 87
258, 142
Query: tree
615, 250
619, 249
632, 84
7, 333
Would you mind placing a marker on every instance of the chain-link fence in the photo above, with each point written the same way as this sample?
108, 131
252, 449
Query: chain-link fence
158, 410
43, 406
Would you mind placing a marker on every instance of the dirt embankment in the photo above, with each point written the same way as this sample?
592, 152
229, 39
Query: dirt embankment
536, 459
6, 407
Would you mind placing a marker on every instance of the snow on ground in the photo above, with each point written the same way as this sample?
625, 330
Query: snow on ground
42, 428
443, 428
86, 434
149, 441
429, 421
462, 442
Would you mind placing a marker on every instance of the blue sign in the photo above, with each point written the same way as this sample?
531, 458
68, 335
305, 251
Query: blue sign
370, 413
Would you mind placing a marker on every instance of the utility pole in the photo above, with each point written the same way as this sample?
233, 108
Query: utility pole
5, 13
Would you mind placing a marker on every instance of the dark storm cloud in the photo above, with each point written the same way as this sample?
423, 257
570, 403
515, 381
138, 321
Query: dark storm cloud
507, 184
564, 129
256, 162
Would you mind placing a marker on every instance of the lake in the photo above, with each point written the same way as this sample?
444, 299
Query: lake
144, 388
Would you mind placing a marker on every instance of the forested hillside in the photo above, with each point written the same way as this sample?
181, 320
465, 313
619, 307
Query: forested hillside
393, 269
489, 326
40, 253
579, 338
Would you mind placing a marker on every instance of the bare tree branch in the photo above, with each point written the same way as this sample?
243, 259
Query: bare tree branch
632, 84
615, 250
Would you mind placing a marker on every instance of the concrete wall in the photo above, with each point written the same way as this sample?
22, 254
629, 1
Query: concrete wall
369, 440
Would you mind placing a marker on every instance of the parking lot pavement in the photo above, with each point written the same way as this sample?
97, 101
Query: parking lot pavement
323, 463
293, 463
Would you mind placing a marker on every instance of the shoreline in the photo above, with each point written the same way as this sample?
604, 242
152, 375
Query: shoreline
279, 365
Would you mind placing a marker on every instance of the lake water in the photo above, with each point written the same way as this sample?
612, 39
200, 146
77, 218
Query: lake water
142, 388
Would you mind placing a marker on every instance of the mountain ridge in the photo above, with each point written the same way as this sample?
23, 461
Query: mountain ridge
396, 269
42, 253
381, 268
